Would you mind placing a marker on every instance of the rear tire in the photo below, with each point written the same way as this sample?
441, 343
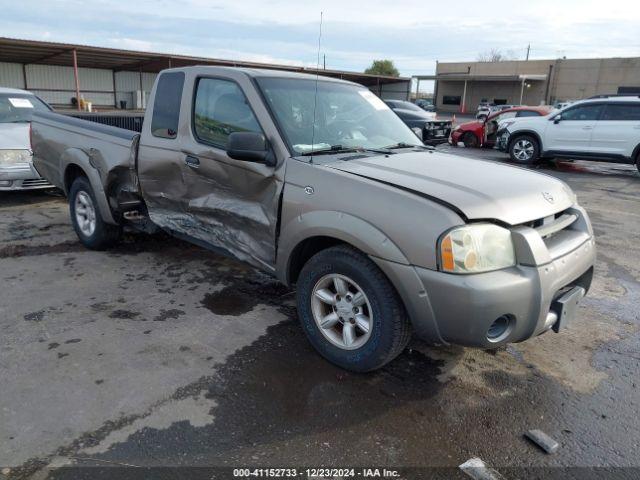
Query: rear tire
524, 149
319, 301
93, 232
470, 140
638, 162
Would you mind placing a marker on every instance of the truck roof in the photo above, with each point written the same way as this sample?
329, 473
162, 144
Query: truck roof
14, 91
264, 72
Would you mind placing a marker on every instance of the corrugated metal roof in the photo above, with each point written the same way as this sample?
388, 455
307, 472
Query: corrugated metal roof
53, 53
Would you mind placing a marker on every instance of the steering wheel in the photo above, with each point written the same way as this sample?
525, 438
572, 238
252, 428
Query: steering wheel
343, 129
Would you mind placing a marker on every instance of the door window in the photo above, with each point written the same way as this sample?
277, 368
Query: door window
503, 116
528, 113
583, 113
166, 106
220, 109
622, 111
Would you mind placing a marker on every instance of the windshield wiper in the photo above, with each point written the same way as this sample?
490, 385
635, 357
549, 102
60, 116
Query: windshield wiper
340, 149
406, 145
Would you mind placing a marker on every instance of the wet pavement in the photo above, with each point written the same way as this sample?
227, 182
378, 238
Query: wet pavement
158, 353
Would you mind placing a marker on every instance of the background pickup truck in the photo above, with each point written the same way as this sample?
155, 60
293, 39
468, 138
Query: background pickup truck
319, 183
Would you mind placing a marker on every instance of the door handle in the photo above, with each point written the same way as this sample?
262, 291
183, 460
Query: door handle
588, 127
192, 161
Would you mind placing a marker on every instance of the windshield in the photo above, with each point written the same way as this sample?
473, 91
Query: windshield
17, 107
346, 116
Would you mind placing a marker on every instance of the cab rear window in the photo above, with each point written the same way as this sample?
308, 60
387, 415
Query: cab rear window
166, 106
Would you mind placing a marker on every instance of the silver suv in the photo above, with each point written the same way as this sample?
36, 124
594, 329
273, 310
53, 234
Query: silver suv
600, 128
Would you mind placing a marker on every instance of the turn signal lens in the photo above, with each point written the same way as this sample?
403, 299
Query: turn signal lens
476, 248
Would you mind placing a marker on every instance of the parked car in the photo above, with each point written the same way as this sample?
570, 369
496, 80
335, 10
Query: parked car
426, 104
433, 131
486, 111
606, 129
16, 166
562, 105
316, 181
482, 133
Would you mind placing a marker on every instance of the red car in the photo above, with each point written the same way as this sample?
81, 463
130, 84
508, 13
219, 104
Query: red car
482, 133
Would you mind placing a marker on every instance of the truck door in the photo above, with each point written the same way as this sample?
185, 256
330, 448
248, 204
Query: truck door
571, 131
233, 203
160, 159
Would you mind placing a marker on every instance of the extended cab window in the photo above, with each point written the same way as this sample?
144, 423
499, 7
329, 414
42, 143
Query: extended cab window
166, 106
621, 111
221, 109
586, 112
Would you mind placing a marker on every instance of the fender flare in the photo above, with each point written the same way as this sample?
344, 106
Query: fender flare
79, 158
341, 226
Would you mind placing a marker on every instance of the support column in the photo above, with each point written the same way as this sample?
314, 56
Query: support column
115, 96
417, 87
142, 104
463, 107
75, 76
521, 91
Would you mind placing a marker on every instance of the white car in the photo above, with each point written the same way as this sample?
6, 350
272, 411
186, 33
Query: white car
16, 166
603, 128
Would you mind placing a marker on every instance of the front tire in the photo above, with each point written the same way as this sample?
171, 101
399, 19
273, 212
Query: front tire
524, 149
349, 310
470, 140
93, 232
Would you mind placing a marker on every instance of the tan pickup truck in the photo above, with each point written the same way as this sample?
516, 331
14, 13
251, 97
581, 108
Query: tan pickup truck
318, 182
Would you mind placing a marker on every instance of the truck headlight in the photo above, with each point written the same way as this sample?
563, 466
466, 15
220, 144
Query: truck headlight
14, 157
476, 248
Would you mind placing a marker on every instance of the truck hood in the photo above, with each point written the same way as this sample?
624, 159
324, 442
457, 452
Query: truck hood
476, 189
14, 136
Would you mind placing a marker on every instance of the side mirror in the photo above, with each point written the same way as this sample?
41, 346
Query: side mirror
250, 147
557, 119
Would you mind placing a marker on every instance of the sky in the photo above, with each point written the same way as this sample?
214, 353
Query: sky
414, 34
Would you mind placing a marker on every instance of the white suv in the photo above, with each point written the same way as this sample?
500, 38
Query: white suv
605, 128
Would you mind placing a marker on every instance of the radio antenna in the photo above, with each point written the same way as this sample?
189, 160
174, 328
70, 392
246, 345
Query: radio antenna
315, 95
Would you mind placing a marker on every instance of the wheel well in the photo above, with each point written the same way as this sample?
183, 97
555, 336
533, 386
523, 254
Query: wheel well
307, 249
472, 133
72, 172
527, 133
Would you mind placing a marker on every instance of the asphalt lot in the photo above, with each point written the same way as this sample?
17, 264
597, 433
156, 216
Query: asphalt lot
159, 353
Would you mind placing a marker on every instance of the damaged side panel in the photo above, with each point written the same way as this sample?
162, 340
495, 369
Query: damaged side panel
194, 189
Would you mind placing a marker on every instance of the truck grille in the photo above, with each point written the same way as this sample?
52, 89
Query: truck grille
562, 232
553, 224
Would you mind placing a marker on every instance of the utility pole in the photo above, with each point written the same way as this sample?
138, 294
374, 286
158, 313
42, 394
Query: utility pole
528, 50
324, 61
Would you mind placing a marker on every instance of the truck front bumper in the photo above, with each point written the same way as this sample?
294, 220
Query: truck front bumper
21, 177
462, 309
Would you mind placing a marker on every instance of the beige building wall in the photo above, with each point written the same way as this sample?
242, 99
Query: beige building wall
576, 79
571, 79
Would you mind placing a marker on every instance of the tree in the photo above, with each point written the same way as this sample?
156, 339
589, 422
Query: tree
383, 67
496, 55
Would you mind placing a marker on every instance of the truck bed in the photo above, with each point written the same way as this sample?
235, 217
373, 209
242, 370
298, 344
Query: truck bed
63, 146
